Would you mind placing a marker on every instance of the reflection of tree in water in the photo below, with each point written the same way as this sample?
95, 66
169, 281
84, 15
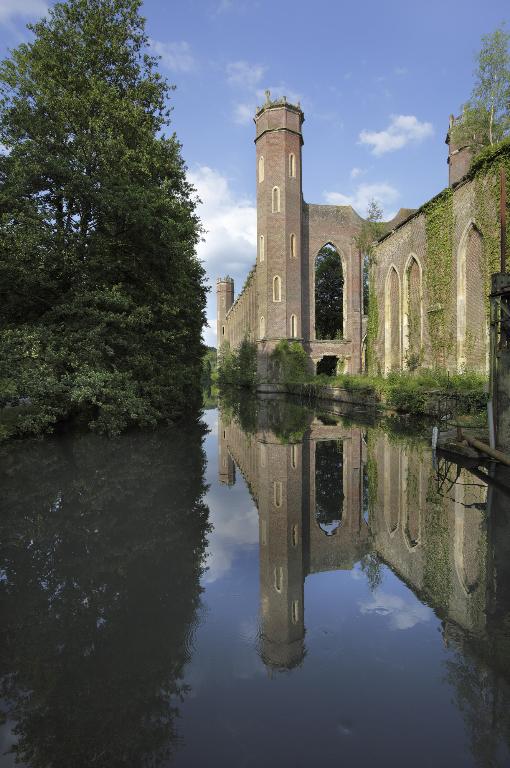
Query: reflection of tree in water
329, 486
102, 544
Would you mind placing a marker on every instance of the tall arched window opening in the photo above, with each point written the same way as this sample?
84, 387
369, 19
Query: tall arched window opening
412, 319
329, 294
392, 354
261, 169
471, 319
262, 248
292, 165
277, 288
276, 200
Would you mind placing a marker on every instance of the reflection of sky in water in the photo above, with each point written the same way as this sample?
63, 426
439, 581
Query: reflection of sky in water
364, 694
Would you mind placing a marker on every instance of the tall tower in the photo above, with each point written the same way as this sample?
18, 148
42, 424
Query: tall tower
459, 156
224, 300
279, 211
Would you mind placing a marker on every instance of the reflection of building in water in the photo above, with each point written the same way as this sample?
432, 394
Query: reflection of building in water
294, 540
432, 533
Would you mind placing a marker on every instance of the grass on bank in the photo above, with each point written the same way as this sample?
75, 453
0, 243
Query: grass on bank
405, 392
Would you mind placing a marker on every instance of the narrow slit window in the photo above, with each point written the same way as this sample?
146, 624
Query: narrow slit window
293, 326
292, 165
262, 248
261, 169
276, 200
277, 289
222, 330
293, 455
277, 494
262, 329
293, 246
295, 611
295, 535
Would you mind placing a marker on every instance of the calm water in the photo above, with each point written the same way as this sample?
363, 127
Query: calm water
280, 588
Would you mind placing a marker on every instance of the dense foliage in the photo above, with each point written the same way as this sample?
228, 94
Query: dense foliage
289, 362
238, 368
329, 285
102, 297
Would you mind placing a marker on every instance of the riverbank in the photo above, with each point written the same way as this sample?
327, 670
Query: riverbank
428, 393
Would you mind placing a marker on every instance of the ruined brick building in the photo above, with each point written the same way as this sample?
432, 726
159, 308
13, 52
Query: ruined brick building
428, 307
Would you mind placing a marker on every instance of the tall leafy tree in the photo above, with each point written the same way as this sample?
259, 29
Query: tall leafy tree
102, 297
485, 118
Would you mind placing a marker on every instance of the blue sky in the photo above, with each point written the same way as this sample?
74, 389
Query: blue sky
376, 80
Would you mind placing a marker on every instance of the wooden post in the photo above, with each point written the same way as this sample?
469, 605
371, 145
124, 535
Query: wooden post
502, 216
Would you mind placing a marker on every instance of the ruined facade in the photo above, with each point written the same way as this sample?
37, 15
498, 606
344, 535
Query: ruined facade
278, 299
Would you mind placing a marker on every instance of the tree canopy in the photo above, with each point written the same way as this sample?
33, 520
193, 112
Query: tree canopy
102, 296
485, 117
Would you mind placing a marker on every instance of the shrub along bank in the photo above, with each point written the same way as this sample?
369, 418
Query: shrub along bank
415, 393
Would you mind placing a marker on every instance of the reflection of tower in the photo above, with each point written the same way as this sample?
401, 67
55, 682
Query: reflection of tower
226, 466
281, 554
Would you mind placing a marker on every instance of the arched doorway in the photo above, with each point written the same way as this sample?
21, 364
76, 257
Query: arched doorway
329, 294
327, 365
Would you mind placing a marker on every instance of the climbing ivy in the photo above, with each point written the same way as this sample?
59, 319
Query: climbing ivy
439, 231
485, 173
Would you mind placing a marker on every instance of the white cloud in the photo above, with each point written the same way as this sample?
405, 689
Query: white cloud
10, 9
244, 75
355, 172
402, 130
229, 245
177, 56
382, 192
243, 113
402, 613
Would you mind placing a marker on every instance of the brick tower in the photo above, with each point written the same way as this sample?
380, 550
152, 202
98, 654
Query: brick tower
279, 226
224, 300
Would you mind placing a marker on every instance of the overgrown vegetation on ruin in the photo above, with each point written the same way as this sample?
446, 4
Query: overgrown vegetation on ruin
103, 298
439, 232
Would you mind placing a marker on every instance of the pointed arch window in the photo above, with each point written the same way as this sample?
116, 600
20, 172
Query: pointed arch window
275, 202
293, 327
262, 327
262, 248
277, 288
292, 165
293, 250
261, 169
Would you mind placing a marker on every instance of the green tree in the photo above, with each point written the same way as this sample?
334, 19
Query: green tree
102, 296
485, 118
329, 287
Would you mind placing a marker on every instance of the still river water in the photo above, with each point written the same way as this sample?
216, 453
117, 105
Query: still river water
281, 588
